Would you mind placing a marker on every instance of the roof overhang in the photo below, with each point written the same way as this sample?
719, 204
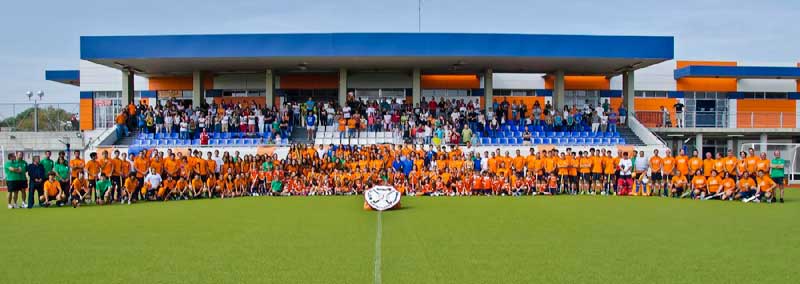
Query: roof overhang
738, 72
432, 52
71, 77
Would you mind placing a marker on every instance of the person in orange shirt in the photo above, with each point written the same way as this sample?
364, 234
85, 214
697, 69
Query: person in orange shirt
729, 164
597, 171
181, 190
698, 185
574, 164
677, 185
52, 191
656, 173
763, 164
80, 190
713, 184
719, 164
609, 169
708, 164
518, 164
751, 162
563, 172
682, 163
131, 191
728, 186
584, 172
552, 185
165, 191
93, 168
766, 187
746, 187
695, 164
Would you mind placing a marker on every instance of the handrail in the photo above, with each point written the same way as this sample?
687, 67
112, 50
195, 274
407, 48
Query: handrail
645, 134
749, 119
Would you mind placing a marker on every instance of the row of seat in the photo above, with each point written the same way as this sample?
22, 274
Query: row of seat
195, 142
553, 141
356, 141
216, 135
549, 134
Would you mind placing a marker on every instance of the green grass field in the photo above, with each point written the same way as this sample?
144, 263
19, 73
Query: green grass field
565, 239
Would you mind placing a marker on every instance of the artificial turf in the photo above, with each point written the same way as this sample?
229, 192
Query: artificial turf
565, 239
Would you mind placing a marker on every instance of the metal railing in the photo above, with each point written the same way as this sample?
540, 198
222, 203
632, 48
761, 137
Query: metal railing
721, 119
45, 117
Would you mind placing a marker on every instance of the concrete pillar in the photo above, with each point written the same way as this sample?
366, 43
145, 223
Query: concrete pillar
198, 93
699, 143
127, 87
676, 145
488, 88
628, 92
342, 87
416, 87
269, 93
559, 96
763, 145
731, 145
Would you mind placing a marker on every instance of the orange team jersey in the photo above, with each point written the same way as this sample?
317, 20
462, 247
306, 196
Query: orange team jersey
550, 164
124, 168
714, 183
708, 165
728, 184
158, 165
519, 163
679, 181
51, 188
563, 166
730, 165
537, 166
106, 167
695, 164
553, 182
202, 167
610, 167
502, 172
746, 184
180, 185
487, 183
92, 169
116, 167
171, 166
765, 183
77, 167
492, 164
585, 165
719, 165
763, 165
79, 185
597, 164
574, 164
656, 164
140, 164
699, 182
342, 124
131, 184
530, 163
750, 164
668, 165
682, 164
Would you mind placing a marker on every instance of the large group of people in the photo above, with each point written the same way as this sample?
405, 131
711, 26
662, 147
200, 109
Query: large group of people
151, 175
432, 121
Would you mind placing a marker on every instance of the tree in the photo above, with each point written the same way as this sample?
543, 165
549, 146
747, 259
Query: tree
50, 119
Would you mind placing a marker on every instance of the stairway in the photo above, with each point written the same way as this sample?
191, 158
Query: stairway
125, 140
630, 137
300, 136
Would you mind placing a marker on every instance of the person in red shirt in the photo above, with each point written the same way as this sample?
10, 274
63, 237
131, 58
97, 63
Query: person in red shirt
204, 137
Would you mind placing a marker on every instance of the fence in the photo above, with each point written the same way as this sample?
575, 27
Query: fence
720, 119
51, 116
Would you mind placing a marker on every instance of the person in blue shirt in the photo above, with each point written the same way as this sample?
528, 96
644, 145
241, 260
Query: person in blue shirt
311, 123
623, 114
37, 177
408, 165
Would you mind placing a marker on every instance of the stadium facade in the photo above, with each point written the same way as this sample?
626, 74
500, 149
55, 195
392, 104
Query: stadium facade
727, 103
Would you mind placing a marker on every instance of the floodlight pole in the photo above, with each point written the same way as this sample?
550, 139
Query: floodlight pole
419, 16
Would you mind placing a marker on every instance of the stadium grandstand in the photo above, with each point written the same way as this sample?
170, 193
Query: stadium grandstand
261, 92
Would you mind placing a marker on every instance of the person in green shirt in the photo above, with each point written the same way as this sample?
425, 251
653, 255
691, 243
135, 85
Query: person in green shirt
276, 186
101, 189
47, 163
266, 166
62, 172
777, 172
15, 180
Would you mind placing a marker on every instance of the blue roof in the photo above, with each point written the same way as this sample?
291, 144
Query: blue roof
376, 44
740, 72
72, 77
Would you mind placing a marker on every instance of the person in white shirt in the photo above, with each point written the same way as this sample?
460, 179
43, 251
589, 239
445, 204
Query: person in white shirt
153, 181
625, 182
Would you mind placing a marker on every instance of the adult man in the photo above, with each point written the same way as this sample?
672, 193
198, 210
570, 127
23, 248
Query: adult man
777, 172
36, 177
679, 115
15, 179
625, 169
52, 192
151, 183
656, 164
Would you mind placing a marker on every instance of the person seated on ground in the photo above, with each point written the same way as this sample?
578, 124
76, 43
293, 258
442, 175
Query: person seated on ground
52, 192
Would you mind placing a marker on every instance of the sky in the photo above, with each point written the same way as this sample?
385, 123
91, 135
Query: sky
44, 35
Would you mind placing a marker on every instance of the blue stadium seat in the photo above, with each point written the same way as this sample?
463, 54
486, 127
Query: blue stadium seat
226, 135
485, 141
537, 140
547, 140
495, 141
506, 127
550, 134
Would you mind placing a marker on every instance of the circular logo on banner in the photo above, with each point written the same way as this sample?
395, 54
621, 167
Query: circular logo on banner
382, 197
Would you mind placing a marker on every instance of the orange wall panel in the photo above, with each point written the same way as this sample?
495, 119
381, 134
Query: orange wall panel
177, 83
87, 114
309, 81
705, 84
765, 113
450, 82
580, 83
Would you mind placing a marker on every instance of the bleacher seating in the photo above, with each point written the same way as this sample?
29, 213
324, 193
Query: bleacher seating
215, 139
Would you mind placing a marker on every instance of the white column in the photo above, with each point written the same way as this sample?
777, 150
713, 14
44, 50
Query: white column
416, 87
342, 87
488, 88
269, 94
699, 143
732, 113
763, 145
127, 87
559, 96
198, 93
797, 114
628, 92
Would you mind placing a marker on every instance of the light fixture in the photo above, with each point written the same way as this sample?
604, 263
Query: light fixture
302, 66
